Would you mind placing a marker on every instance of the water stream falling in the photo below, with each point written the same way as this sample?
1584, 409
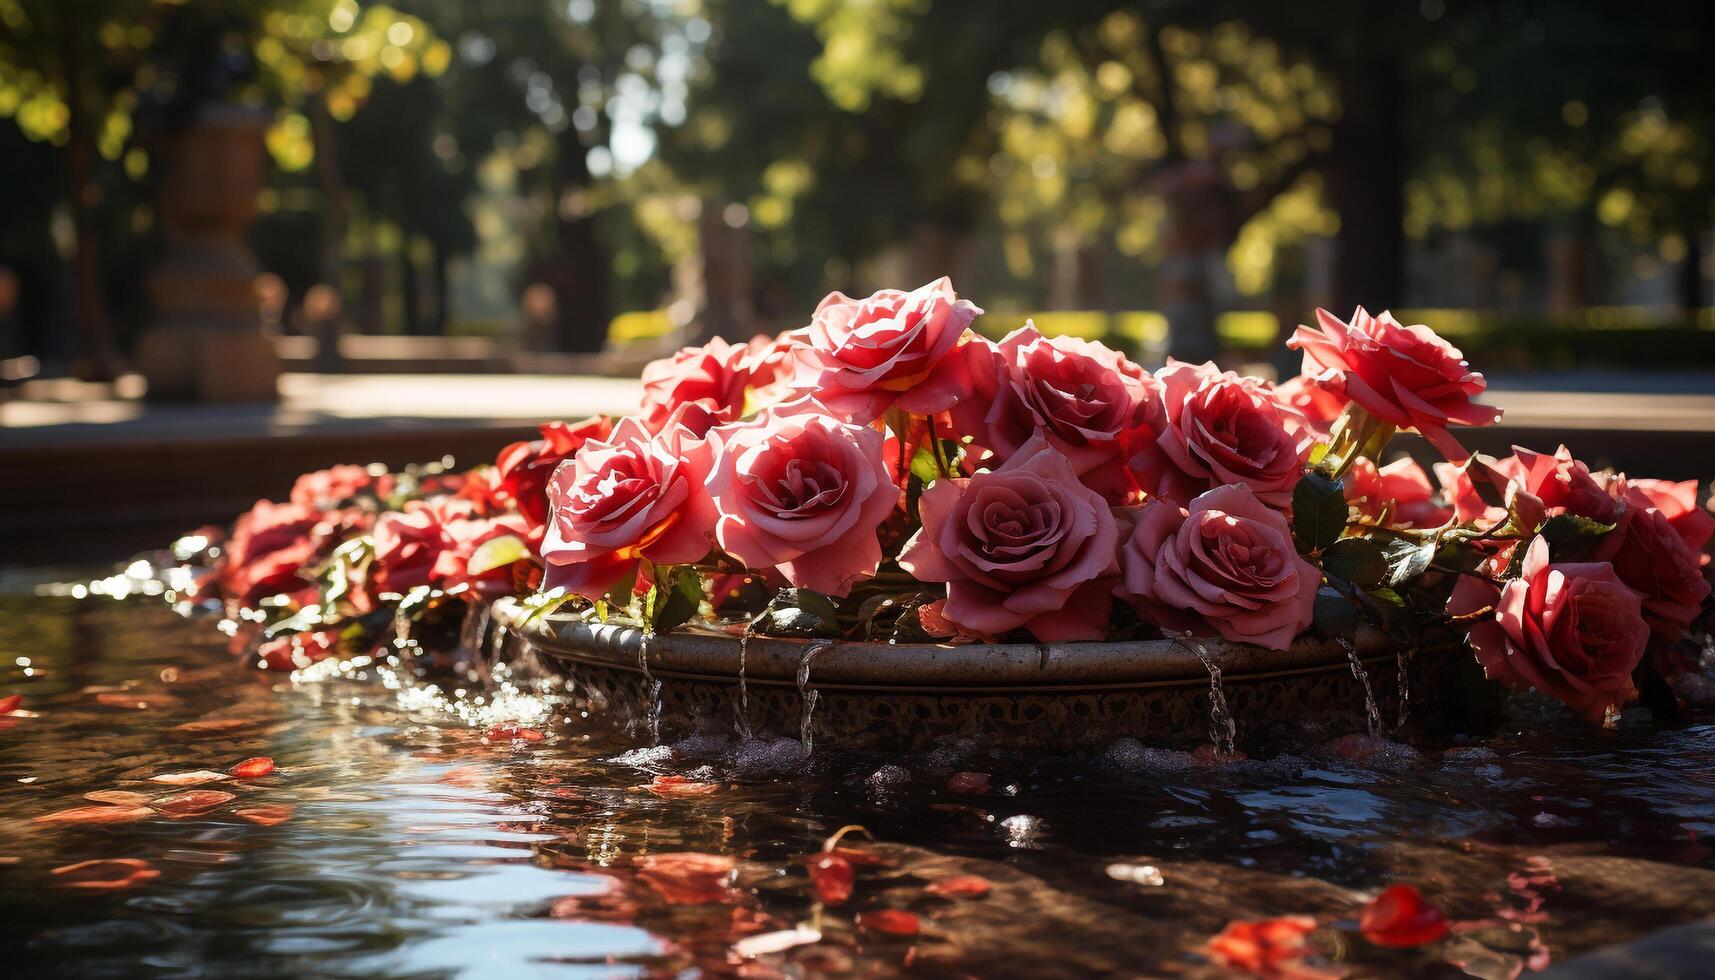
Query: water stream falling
402, 630
743, 681
808, 695
1372, 714
1403, 662
651, 690
1222, 728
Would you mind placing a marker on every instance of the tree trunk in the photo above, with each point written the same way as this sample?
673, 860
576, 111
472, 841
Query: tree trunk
438, 324
1690, 283
578, 270
333, 210
96, 360
410, 292
1366, 185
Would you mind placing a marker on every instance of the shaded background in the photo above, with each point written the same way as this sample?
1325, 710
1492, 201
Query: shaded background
575, 176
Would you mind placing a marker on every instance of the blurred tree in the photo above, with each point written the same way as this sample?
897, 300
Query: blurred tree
105, 79
569, 93
1616, 129
1196, 116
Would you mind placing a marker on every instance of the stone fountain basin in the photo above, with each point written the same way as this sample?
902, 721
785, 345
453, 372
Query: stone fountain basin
1063, 695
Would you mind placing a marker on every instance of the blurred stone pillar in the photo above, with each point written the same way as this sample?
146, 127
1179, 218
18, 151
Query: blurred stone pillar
207, 341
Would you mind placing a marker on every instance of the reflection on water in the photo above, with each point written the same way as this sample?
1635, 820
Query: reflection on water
397, 837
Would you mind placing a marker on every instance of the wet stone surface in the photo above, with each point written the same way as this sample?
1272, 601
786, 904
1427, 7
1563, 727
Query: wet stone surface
409, 830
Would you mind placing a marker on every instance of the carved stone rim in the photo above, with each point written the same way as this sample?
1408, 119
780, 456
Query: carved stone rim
921, 667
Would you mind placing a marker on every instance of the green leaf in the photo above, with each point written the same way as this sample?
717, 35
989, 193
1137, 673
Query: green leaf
1335, 616
1318, 510
1570, 537
671, 607
544, 603
1407, 559
923, 465
497, 552
1460, 556
1357, 560
335, 578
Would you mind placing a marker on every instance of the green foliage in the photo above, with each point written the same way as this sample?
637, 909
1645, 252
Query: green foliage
673, 597
1319, 510
1406, 559
1335, 615
1359, 561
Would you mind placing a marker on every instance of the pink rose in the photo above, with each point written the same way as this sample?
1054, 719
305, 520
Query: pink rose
804, 493
1089, 402
523, 468
1572, 631
1677, 502
863, 356
1651, 557
631, 496
1406, 376
1400, 489
1226, 565
1024, 546
1224, 429
713, 377
773, 362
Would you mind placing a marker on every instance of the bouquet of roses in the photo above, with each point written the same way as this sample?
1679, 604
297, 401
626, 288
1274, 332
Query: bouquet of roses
889, 473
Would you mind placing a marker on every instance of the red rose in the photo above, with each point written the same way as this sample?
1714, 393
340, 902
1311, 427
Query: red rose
1406, 376
1400, 489
1225, 566
524, 468
1677, 502
1317, 404
1556, 484
337, 484
1089, 402
1573, 631
1024, 546
269, 547
453, 566
409, 543
1224, 429
1651, 557
863, 356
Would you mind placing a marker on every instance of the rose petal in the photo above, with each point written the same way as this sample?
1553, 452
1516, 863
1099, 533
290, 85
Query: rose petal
192, 778
960, 886
97, 815
117, 797
268, 814
192, 802
253, 768
892, 922
108, 874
